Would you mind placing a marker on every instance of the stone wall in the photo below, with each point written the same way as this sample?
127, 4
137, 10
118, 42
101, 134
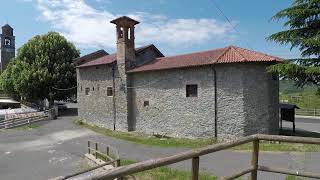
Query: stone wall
97, 107
230, 100
261, 91
247, 101
169, 111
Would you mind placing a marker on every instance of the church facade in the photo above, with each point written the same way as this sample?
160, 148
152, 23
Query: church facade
222, 93
7, 46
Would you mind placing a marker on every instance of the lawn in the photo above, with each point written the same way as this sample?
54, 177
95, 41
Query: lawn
148, 139
139, 138
310, 98
164, 173
28, 127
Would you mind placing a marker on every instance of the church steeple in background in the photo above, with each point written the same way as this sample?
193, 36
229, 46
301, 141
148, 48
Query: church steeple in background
7, 46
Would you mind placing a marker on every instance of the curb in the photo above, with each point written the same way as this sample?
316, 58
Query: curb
307, 117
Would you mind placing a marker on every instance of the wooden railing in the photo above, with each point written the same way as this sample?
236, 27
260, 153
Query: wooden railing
106, 153
195, 155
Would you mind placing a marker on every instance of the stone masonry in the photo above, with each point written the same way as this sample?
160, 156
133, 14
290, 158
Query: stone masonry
154, 101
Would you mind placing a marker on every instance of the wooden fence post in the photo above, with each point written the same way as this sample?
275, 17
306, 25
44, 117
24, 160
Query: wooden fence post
195, 168
96, 152
88, 147
254, 160
118, 163
108, 149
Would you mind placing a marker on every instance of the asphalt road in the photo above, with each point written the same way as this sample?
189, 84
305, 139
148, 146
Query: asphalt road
307, 124
57, 148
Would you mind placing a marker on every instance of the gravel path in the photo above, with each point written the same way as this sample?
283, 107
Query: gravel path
57, 147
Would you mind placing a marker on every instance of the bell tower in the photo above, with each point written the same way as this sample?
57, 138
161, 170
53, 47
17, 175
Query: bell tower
7, 46
126, 60
125, 41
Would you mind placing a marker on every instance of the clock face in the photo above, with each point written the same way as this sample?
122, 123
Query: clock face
7, 42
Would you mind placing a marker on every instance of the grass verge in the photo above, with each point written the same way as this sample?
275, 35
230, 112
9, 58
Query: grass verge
27, 127
147, 139
164, 173
294, 178
139, 138
283, 147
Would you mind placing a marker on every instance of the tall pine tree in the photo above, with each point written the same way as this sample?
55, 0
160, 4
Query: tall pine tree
302, 32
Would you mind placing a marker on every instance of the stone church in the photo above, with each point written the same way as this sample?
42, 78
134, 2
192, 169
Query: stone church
222, 93
7, 46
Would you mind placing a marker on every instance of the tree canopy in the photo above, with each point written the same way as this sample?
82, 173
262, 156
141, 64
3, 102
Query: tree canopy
43, 64
302, 32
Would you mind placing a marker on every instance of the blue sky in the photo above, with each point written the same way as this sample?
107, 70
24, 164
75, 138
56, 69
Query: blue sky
174, 26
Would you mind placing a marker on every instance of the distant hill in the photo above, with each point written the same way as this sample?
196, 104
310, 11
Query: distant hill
288, 87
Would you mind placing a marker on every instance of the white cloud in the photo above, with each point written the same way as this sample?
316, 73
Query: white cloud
88, 27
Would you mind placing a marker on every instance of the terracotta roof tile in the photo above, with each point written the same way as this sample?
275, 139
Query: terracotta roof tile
90, 57
108, 59
230, 54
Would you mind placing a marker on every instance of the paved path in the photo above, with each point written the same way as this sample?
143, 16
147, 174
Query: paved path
57, 148
307, 124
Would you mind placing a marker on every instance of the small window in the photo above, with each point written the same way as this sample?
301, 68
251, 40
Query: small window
192, 90
81, 88
145, 103
92, 88
7, 42
109, 91
87, 91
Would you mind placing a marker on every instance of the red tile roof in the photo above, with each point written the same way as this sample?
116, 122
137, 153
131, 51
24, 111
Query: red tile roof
108, 59
230, 54
90, 57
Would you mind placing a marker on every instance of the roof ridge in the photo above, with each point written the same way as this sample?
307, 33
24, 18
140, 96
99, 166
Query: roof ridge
235, 48
224, 52
256, 52
198, 52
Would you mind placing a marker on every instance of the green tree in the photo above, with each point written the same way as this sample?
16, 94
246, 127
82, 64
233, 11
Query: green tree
302, 32
6, 82
43, 64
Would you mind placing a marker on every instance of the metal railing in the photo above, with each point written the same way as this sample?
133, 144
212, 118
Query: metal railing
308, 112
196, 153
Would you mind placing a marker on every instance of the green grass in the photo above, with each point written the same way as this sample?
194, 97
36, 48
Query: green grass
28, 127
288, 87
147, 139
283, 147
139, 138
309, 99
294, 178
164, 173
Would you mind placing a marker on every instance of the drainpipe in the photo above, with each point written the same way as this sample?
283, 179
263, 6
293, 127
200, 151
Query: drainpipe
215, 104
114, 98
